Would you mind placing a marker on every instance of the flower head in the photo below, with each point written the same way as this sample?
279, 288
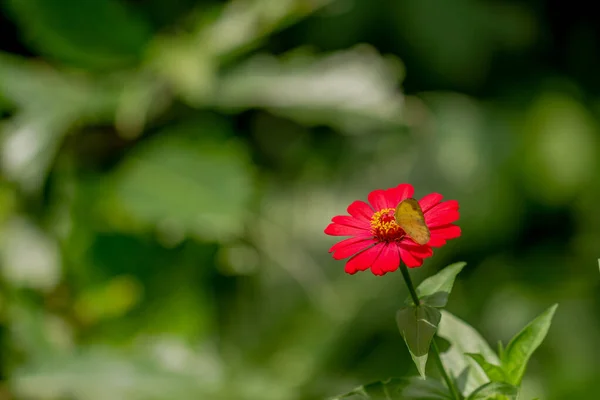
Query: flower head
379, 242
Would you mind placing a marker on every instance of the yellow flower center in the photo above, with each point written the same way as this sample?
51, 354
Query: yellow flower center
384, 227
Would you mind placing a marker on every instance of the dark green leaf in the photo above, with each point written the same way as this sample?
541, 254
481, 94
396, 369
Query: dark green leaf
414, 388
87, 33
418, 324
385, 390
493, 371
382, 390
495, 391
521, 347
436, 289
426, 389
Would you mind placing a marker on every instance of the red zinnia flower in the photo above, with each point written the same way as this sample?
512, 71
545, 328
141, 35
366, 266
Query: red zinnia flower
378, 242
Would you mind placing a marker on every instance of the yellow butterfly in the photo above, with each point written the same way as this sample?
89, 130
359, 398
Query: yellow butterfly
409, 216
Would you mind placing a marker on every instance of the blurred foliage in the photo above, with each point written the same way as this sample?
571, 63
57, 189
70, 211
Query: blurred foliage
168, 167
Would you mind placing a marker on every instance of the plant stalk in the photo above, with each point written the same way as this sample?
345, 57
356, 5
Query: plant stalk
435, 350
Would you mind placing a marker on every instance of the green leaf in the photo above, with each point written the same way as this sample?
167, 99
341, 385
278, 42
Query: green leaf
414, 388
495, 391
48, 104
435, 290
493, 371
86, 33
390, 389
464, 339
521, 347
438, 299
296, 81
37, 89
426, 389
192, 179
418, 324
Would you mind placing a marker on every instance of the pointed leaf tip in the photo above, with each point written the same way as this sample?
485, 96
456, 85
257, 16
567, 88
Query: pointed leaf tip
521, 347
435, 290
417, 325
494, 372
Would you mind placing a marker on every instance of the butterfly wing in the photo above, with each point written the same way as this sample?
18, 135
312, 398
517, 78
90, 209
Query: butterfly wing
409, 216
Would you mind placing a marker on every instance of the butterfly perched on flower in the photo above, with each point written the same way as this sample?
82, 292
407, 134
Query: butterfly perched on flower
392, 228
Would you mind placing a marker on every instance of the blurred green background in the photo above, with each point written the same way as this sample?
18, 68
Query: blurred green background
168, 168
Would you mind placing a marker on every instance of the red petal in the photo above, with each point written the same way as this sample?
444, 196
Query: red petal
349, 247
388, 260
446, 231
392, 197
406, 191
378, 200
396, 195
409, 259
436, 241
430, 200
360, 210
351, 221
364, 260
443, 207
346, 242
419, 251
344, 230
441, 218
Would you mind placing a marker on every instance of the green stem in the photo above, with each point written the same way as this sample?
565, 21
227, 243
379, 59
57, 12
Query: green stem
411, 288
434, 347
440, 365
